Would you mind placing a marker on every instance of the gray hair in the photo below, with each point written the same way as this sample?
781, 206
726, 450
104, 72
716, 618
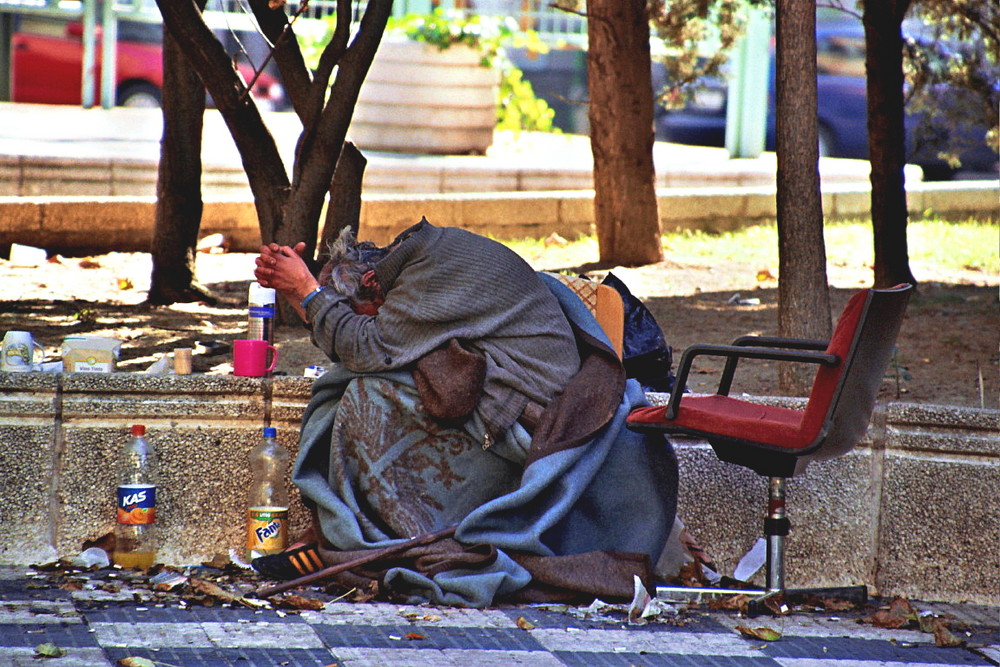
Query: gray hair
349, 261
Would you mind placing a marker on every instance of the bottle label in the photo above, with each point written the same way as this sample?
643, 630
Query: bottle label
266, 310
267, 528
137, 504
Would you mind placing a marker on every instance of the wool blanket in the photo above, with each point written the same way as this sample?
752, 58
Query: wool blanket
581, 501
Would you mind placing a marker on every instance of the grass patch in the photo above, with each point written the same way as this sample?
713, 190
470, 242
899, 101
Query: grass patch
969, 245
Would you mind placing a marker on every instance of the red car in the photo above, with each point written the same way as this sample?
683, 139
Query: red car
47, 65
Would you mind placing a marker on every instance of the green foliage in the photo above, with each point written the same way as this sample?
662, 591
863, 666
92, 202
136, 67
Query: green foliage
444, 28
685, 28
961, 50
518, 108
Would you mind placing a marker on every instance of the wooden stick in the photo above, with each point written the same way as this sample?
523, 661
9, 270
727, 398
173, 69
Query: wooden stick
375, 554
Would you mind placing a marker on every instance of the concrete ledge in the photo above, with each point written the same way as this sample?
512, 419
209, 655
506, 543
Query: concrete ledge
85, 223
912, 511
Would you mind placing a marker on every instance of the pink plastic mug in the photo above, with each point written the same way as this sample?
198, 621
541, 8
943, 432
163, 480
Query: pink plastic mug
250, 358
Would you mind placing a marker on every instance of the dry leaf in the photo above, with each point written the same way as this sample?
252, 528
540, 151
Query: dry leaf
300, 602
219, 561
89, 264
413, 636
886, 619
945, 638
762, 633
124, 283
836, 604
524, 623
730, 603
901, 607
764, 275
135, 662
691, 575
213, 591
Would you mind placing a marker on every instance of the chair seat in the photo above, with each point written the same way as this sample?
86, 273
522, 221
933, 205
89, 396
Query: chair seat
730, 418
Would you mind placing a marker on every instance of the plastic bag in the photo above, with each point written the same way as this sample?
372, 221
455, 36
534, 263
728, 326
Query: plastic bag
645, 353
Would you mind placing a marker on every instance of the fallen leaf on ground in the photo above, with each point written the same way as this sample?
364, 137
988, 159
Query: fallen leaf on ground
524, 623
762, 633
136, 662
413, 636
730, 603
49, 650
300, 602
207, 588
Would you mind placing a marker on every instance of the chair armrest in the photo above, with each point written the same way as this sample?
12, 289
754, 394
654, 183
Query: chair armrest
787, 343
764, 341
733, 354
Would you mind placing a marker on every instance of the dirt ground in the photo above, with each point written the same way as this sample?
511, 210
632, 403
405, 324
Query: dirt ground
947, 351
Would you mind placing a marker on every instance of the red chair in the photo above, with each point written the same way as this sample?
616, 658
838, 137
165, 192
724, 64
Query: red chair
779, 442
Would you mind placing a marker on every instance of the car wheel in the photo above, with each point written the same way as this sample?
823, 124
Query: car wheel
139, 95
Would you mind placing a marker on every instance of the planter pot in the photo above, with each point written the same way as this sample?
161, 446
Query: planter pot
419, 99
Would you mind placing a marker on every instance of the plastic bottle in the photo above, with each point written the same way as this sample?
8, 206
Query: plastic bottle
135, 530
260, 324
267, 501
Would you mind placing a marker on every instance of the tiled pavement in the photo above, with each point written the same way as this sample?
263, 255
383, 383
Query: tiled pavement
97, 628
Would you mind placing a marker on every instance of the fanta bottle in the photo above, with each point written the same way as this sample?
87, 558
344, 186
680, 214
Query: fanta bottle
135, 538
267, 501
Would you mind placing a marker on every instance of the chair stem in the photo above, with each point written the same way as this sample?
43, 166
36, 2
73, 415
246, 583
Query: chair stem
776, 527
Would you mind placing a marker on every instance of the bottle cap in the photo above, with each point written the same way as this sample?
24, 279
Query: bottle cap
260, 294
270, 432
138, 429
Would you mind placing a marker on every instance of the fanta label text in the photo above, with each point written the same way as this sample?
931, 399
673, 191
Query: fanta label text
267, 528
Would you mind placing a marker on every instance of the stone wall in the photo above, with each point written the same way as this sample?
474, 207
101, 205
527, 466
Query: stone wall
912, 511
125, 223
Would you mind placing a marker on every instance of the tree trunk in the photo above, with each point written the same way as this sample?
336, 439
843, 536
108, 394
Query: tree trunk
803, 296
258, 152
886, 138
178, 189
344, 207
621, 132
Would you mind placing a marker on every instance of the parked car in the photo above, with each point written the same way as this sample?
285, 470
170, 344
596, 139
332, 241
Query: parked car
842, 111
47, 65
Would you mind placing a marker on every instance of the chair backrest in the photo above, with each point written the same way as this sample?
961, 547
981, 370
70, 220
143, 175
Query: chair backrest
843, 396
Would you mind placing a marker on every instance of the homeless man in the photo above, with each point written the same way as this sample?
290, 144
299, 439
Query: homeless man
469, 389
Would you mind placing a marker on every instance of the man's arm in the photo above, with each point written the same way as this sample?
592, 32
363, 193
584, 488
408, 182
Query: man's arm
283, 269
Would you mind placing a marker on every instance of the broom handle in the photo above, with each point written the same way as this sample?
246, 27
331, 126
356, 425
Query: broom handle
376, 554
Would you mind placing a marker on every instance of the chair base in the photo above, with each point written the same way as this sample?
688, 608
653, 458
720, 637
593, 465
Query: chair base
760, 599
759, 605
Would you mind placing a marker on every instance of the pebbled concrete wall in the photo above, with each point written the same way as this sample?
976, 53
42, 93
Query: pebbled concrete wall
126, 223
912, 511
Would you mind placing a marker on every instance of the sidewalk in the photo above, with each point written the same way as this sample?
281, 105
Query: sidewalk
102, 617
53, 149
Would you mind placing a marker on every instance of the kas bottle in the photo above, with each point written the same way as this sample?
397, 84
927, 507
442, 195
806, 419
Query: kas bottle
135, 545
267, 502
260, 322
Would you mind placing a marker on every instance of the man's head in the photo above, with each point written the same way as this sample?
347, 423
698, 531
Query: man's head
350, 271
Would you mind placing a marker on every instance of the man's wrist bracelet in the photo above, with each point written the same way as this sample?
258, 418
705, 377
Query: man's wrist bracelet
309, 297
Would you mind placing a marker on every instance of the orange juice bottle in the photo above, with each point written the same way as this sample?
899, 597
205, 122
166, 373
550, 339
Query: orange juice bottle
135, 527
267, 500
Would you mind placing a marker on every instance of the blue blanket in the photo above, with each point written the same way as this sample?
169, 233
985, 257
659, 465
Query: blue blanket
616, 491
